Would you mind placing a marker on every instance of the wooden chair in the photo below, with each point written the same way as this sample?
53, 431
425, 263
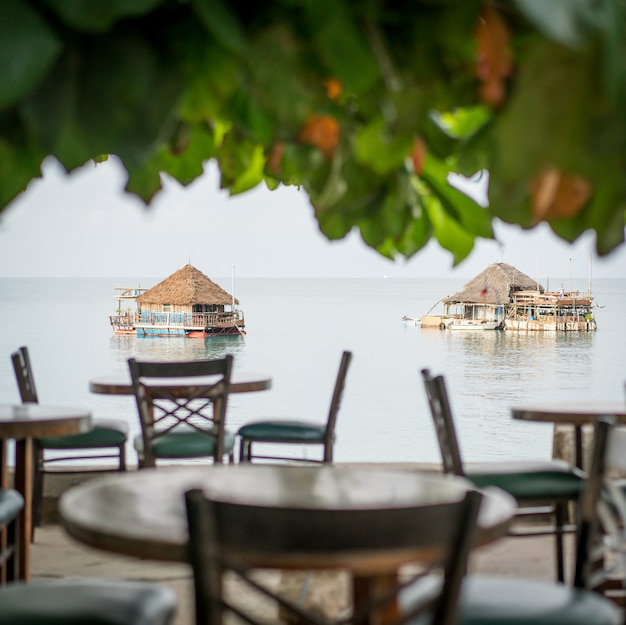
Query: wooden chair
11, 504
296, 432
212, 546
107, 440
540, 487
182, 410
501, 600
101, 601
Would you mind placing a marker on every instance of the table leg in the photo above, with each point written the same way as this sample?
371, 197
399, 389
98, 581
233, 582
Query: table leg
24, 485
578, 445
4, 483
367, 589
4, 469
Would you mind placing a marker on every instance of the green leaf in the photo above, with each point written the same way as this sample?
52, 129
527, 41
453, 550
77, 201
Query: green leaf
222, 24
98, 16
463, 122
119, 99
376, 147
340, 42
18, 166
182, 158
448, 232
28, 49
241, 164
472, 216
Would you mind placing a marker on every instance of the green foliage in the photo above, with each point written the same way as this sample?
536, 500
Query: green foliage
368, 106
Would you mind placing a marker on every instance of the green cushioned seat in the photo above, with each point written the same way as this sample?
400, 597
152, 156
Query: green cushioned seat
295, 431
530, 480
487, 600
490, 600
185, 444
11, 503
93, 601
284, 431
107, 433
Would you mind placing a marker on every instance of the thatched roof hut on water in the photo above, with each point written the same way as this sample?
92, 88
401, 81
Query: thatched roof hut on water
187, 287
501, 297
495, 285
188, 302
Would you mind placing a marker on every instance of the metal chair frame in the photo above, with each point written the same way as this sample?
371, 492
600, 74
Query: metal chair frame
246, 443
452, 463
198, 406
28, 394
211, 558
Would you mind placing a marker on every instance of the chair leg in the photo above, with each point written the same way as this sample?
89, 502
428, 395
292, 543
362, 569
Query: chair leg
38, 477
122, 466
244, 450
560, 516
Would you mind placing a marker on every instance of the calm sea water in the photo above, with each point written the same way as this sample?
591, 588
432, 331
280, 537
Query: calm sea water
296, 330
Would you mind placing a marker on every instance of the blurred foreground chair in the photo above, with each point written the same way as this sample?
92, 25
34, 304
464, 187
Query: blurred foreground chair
11, 504
540, 487
212, 557
107, 440
296, 432
182, 409
95, 601
491, 600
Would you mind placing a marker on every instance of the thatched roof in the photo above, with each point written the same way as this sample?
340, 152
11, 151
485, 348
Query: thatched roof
186, 286
494, 286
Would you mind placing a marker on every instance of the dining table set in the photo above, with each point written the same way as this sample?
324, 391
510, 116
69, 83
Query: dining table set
290, 516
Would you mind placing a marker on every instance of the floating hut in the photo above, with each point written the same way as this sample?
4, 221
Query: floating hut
502, 297
187, 303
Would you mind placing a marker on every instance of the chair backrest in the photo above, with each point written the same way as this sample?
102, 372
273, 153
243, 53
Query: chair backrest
181, 394
601, 535
329, 435
444, 423
24, 375
450, 533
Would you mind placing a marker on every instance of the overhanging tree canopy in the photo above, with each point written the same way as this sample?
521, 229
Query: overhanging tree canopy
368, 105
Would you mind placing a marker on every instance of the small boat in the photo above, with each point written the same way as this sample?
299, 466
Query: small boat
472, 324
411, 321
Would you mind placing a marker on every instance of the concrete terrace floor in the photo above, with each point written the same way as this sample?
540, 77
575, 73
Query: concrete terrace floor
56, 555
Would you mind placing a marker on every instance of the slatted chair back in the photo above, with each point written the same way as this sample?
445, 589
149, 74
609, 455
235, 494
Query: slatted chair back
335, 404
24, 376
441, 412
212, 555
601, 541
181, 398
107, 440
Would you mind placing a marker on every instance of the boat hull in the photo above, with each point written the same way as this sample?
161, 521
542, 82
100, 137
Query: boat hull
474, 325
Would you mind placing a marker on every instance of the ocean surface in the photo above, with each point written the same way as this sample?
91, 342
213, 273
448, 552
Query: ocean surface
296, 331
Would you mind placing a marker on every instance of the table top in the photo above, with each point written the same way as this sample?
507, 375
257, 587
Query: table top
241, 382
575, 413
143, 514
32, 420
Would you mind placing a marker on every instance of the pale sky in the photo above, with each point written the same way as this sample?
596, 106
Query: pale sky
83, 225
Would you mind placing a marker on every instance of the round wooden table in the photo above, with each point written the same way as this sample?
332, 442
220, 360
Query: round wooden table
23, 422
294, 523
241, 382
576, 414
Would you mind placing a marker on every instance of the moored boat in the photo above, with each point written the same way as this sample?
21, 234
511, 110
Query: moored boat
411, 321
469, 324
